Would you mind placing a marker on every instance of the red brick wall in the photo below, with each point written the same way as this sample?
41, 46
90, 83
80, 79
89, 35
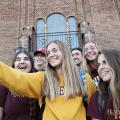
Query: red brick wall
8, 28
103, 15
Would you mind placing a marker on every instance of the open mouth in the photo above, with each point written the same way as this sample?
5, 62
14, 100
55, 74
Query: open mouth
22, 66
40, 62
90, 55
53, 59
76, 59
103, 73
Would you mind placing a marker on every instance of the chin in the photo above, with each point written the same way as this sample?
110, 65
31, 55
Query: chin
106, 79
92, 59
53, 65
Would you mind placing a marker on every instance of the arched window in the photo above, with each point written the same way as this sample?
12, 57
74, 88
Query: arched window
56, 23
55, 27
73, 29
72, 23
40, 33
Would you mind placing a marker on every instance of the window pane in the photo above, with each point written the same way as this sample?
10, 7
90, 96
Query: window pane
56, 23
40, 35
73, 35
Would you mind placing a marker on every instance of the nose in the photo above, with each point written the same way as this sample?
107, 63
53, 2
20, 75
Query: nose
75, 57
22, 61
39, 57
89, 50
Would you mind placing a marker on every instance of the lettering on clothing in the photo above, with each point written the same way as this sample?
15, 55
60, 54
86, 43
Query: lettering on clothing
61, 90
15, 95
113, 112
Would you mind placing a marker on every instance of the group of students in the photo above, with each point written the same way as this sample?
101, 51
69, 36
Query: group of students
65, 86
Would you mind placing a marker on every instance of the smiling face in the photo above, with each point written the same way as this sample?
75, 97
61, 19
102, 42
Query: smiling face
91, 51
54, 55
104, 69
40, 62
77, 57
22, 63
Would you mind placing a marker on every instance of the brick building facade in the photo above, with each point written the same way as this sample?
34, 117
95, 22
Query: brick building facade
17, 15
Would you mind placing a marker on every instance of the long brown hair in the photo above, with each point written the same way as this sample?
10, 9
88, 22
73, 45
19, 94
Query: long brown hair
72, 83
113, 88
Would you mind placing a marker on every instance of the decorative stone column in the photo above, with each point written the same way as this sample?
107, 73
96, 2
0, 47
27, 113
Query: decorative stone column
24, 39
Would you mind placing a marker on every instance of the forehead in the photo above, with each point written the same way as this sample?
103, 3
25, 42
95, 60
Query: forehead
52, 46
76, 51
101, 57
22, 55
89, 44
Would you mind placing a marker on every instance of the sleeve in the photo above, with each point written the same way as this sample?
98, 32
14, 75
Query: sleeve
27, 84
91, 88
3, 94
93, 107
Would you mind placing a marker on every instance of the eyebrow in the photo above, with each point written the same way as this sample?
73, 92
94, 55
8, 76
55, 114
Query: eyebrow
52, 49
20, 57
26, 57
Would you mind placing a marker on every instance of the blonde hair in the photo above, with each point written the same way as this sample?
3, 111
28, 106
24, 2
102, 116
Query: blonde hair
72, 83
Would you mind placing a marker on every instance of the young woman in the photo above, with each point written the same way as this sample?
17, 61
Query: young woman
90, 54
17, 107
105, 103
61, 85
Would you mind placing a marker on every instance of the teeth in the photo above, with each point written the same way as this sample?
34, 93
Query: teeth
52, 59
90, 55
103, 73
22, 66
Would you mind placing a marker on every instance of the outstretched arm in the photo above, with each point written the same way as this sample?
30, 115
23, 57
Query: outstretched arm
27, 84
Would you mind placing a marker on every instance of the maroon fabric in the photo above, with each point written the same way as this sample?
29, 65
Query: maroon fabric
94, 73
15, 107
108, 113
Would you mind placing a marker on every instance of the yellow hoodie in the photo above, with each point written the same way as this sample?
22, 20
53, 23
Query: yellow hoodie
30, 84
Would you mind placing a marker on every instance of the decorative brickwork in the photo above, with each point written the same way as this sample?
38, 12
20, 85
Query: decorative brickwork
103, 16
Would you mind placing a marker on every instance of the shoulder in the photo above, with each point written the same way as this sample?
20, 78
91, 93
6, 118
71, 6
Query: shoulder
95, 95
94, 99
3, 93
3, 89
85, 75
89, 80
93, 108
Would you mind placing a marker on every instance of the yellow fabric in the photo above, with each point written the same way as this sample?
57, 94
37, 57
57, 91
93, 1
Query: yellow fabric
91, 88
61, 109
61, 79
27, 84
31, 84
